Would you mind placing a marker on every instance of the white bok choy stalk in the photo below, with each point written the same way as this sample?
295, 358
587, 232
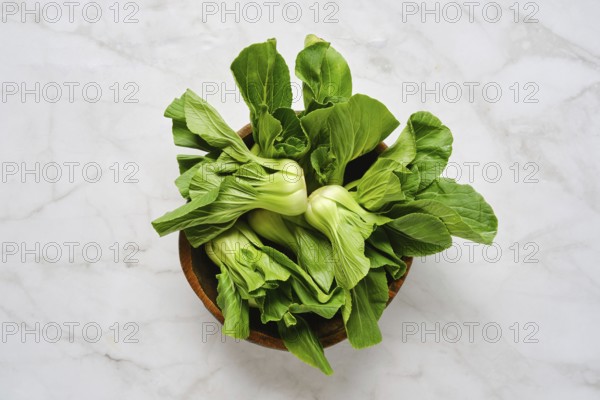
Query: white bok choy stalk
255, 275
333, 211
313, 250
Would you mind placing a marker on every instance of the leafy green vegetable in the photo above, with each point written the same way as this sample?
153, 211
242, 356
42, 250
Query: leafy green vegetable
204, 121
300, 340
380, 185
324, 72
252, 273
239, 251
347, 130
264, 81
418, 234
380, 252
222, 189
369, 299
331, 254
251, 186
187, 162
235, 310
333, 211
410, 165
313, 251
464, 211
281, 134
263, 77
182, 136
431, 150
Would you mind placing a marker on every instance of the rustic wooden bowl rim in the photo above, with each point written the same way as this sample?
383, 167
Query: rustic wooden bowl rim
333, 331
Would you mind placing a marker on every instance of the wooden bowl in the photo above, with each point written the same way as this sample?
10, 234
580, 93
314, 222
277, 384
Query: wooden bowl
201, 273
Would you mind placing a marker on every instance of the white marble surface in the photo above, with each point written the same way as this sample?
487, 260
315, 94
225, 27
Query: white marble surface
553, 221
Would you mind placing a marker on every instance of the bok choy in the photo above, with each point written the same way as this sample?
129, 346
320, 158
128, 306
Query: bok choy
296, 230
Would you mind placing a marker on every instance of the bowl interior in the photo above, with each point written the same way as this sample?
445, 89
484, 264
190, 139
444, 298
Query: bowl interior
201, 273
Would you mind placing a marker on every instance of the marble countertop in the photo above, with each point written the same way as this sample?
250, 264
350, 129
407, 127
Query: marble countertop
94, 305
